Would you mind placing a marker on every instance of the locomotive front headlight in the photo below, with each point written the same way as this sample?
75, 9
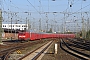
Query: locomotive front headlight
20, 36
23, 36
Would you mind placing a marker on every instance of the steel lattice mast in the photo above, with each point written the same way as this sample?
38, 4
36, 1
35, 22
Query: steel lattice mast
0, 25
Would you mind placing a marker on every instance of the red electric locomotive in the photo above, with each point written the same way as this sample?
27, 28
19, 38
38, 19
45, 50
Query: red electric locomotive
29, 36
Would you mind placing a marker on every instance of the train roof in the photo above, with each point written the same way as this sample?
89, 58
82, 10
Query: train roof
32, 31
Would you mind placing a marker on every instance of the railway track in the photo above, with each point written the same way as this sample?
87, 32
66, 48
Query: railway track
36, 53
74, 52
80, 44
7, 54
4, 54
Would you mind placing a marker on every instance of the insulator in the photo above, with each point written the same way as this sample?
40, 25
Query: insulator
53, 0
84, 0
70, 5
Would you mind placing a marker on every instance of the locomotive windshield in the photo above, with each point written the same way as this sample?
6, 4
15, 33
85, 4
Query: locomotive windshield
21, 33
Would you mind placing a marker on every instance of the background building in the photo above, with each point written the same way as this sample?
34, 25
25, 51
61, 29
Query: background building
15, 26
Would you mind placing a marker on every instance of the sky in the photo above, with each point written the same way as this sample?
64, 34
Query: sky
46, 14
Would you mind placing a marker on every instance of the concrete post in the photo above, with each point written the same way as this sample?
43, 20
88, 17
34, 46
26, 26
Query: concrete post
55, 48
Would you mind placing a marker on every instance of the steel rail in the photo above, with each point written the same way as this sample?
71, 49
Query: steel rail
73, 52
36, 56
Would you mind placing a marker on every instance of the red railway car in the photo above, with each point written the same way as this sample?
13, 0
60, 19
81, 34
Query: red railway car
35, 36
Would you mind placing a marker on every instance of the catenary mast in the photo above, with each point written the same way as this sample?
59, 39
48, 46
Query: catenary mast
0, 20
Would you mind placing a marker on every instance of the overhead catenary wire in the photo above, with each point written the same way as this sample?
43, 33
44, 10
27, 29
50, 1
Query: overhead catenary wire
68, 13
41, 5
77, 10
69, 5
34, 8
13, 5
